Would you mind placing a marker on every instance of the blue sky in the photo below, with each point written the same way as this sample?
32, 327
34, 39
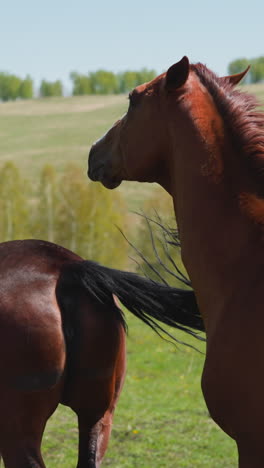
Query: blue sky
51, 38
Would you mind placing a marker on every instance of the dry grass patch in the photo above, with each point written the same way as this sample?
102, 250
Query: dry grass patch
46, 106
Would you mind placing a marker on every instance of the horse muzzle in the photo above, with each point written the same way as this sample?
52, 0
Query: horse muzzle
100, 169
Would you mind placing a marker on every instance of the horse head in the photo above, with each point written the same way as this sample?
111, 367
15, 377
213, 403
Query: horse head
137, 146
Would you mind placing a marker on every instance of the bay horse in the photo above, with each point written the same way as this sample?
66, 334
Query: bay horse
62, 340
202, 140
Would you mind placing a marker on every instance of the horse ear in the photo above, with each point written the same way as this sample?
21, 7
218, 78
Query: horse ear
177, 74
235, 79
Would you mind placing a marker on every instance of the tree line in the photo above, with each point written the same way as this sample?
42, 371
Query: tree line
12, 87
102, 81
106, 82
256, 71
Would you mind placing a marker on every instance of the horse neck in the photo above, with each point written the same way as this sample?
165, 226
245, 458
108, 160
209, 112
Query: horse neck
220, 245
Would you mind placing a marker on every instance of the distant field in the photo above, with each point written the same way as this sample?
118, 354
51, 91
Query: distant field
60, 131
257, 89
161, 419
55, 130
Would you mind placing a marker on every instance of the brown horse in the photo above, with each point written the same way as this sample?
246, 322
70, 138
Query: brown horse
203, 141
62, 340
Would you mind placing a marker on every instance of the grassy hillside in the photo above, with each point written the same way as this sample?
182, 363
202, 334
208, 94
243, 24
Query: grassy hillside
57, 130
161, 419
60, 131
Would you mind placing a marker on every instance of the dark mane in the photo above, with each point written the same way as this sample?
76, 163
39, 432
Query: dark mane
242, 117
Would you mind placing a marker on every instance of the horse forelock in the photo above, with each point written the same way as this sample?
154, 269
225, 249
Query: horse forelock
243, 119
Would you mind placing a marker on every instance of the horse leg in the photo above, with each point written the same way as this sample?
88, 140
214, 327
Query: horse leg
96, 368
32, 377
22, 426
95, 424
23, 452
88, 438
94, 438
250, 456
107, 420
30, 457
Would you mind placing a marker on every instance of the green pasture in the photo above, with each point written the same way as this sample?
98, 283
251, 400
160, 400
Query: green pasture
60, 131
161, 419
55, 130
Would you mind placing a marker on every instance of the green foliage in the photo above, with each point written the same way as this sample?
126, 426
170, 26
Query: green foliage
99, 82
64, 209
81, 84
45, 214
26, 88
257, 70
106, 82
9, 86
14, 204
103, 82
87, 218
49, 88
12, 87
145, 75
128, 80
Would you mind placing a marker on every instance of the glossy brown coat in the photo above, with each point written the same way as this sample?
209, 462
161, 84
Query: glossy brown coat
203, 141
56, 346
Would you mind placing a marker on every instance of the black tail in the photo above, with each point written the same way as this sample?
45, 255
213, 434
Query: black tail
150, 301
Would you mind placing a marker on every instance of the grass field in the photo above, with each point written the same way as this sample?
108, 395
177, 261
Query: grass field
161, 419
60, 131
